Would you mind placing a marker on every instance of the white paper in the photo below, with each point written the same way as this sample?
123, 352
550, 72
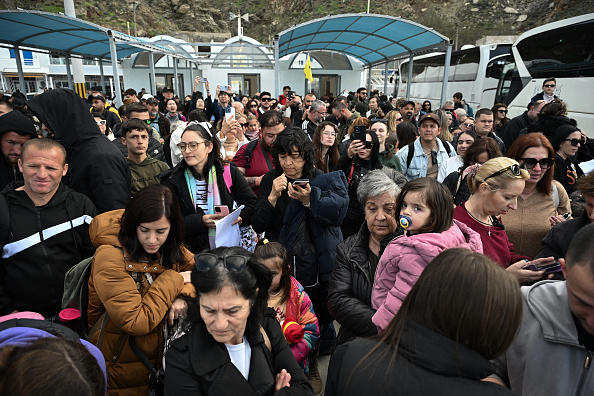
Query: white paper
226, 234
587, 166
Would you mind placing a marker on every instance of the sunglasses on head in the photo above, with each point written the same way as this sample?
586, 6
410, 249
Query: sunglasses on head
549, 85
544, 163
207, 261
575, 142
515, 169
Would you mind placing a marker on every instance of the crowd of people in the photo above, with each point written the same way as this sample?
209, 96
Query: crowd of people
452, 246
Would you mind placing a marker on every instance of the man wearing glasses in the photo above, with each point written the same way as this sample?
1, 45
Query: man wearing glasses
317, 113
265, 102
548, 91
360, 97
428, 152
483, 127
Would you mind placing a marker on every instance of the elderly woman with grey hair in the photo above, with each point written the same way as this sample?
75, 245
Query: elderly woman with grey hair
351, 284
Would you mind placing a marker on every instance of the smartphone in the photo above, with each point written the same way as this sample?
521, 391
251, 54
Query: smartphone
549, 268
301, 182
222, 210
202, 80
290, 94
229, 113
225, 87
359, 133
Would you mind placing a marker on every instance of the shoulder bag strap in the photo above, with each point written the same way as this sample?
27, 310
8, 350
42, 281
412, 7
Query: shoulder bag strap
266, 157
266, 339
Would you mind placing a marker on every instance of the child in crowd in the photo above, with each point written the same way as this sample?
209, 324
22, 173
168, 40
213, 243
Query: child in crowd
292, 305
427, 215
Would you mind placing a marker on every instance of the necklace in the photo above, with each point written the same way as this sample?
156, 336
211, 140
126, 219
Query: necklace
488, 225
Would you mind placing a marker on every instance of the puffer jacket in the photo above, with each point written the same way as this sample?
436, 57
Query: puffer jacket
405, 259
133, 310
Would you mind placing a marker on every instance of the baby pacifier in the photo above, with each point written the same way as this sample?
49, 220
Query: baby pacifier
405, 221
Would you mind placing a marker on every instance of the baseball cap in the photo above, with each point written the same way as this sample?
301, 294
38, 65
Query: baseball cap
152, 100
408, 102
430, 116
146, 96
168, 89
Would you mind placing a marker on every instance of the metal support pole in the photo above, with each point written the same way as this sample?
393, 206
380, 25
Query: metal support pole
276, 68
114, 64
102, 74
386, 79
410, 70
17, 57
191, 72
69, 72
446, 73
3, 81
369, 82
176, 78
152, 88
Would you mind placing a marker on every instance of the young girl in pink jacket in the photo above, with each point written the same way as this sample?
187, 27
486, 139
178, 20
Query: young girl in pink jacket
427, 214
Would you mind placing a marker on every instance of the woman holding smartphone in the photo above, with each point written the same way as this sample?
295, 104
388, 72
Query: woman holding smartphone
200, 183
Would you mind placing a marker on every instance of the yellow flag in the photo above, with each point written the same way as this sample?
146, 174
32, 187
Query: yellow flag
307, 69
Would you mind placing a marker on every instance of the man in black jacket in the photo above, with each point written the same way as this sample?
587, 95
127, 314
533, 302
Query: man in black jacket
49, 231
96, 167
515, 125
15, 130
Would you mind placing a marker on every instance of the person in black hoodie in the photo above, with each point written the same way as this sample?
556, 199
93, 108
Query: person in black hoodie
15, 129
441, 339
49, 232
96, 167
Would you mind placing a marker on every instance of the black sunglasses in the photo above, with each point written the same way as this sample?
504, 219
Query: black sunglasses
515, 169
502, 111
575, 142
254, 105
433, 157
207, 261
544, 163
266, 99
549, 86
244, 125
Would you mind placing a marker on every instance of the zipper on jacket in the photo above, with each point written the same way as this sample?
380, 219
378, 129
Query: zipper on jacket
47, 261
587, 363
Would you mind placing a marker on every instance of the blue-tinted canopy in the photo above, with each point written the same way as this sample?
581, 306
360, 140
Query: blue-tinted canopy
373, 39
64, 34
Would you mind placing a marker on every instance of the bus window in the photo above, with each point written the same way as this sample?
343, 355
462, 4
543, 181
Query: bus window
464, 67
559, 53
509, 85
495, 67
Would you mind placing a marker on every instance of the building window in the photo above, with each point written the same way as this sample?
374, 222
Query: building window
27, 57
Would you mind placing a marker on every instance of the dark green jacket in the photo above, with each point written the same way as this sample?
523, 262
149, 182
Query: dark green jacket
391, 162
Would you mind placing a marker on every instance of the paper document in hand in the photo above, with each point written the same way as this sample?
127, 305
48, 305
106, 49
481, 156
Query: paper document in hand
227, 234
587, 166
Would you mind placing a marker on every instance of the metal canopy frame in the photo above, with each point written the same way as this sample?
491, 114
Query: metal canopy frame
372, 39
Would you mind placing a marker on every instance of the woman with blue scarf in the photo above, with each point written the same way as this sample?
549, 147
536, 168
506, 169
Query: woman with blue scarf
201, 183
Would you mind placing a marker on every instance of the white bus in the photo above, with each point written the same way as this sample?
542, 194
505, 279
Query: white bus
475, 72
562, 49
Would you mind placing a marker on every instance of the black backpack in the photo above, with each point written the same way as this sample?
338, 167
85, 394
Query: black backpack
411, 151
249, 151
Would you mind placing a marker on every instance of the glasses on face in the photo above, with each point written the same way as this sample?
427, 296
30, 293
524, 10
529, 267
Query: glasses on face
549, 85
502, 111
192, 145
266, 99
103, 122
433, 157
254, 105
575, 142
244, 125
207, 261
329, 134
544, 163
515, 169
468, 124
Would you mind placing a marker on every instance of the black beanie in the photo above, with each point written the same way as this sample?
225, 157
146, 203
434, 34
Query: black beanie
17, 122
561, 134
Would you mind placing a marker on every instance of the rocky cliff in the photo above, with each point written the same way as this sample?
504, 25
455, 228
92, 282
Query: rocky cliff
202, 20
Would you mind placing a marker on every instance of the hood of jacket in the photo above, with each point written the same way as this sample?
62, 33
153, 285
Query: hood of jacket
66, 115
429, 245
557, 325
105, 227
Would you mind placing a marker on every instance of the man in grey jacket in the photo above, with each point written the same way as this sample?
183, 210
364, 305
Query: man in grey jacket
553, 351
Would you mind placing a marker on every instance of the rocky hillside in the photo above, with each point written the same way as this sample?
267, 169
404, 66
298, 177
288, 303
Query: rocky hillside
193, 19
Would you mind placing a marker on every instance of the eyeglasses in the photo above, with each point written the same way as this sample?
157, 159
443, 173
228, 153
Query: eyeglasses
320, 113
244, 125
192, 145
574, 142
266, 99
549, 86
103, 122
207, 261
333, 134
544, 163
468, 125
515, 169
502, 111
433, 157
363, 93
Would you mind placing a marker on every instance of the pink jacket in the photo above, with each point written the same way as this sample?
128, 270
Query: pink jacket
403, 261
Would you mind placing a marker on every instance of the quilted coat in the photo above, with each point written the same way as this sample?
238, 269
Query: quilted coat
134, 309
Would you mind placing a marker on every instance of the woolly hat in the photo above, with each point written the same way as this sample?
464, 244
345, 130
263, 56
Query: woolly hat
561, 134
15, 121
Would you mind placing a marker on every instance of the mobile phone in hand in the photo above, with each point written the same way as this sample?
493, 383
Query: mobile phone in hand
221, 210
